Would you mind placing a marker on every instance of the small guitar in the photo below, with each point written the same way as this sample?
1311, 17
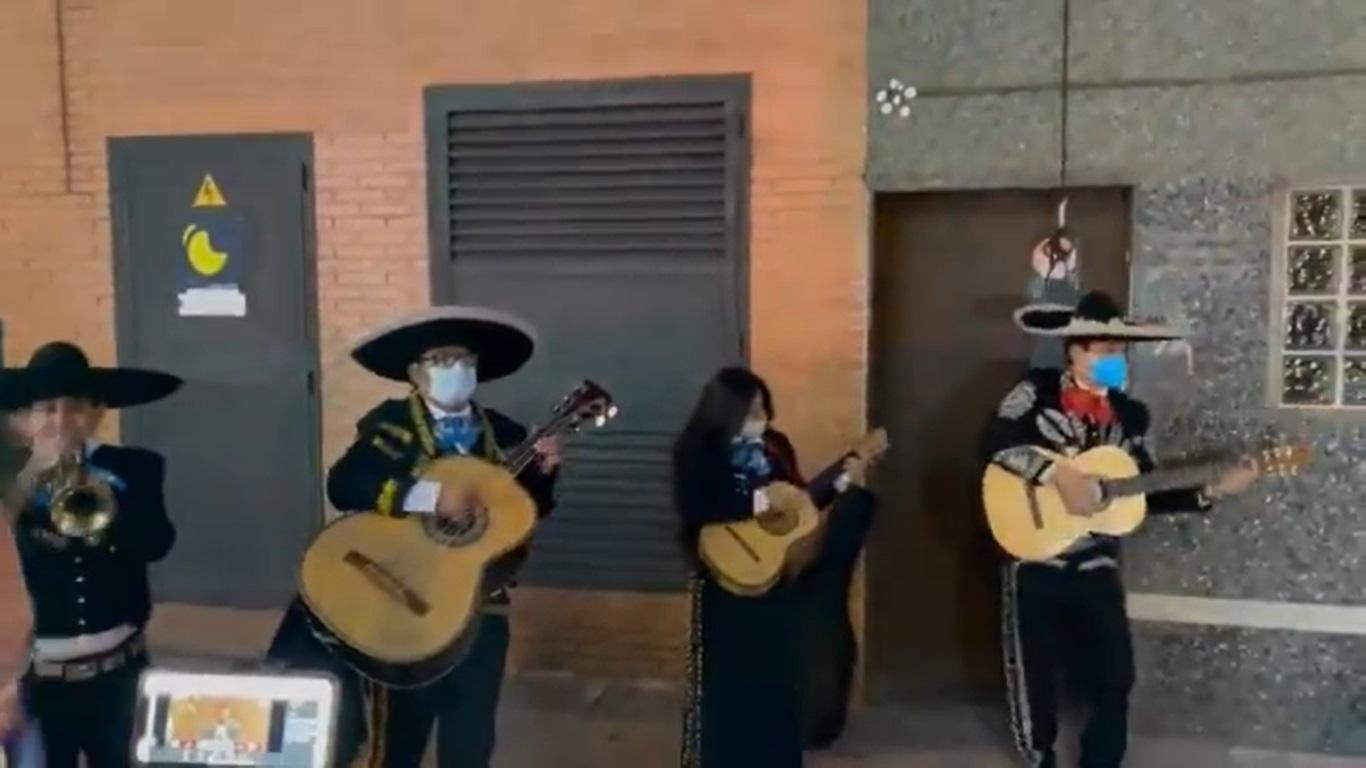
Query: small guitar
748, 559
400, 598
1032, 522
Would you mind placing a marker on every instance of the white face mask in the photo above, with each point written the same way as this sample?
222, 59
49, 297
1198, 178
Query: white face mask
451, 386
754, 429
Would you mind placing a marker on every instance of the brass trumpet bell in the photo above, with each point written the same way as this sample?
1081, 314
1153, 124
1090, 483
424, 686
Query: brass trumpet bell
82, 506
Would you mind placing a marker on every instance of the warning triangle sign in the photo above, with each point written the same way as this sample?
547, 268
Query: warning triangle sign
209, 195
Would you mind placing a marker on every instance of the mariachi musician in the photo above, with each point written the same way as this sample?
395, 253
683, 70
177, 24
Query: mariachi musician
768, 675
91, 517
442, 354
1067, 613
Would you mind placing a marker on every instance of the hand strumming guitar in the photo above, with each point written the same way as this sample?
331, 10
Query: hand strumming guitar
781, 502
459, 505
1081, 493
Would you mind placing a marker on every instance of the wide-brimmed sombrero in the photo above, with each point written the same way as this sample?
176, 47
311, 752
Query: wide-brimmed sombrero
1096, 316
503, 341
61, 369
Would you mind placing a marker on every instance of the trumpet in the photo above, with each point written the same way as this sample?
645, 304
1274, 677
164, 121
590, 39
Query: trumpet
82, 505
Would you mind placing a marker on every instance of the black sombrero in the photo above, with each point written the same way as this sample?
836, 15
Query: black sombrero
1096, 316
61, 369
503, 342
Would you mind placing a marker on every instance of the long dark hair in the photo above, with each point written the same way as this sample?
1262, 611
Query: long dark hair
722, 408
701, 455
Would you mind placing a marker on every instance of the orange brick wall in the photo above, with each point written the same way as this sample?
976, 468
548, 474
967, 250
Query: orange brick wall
351, 72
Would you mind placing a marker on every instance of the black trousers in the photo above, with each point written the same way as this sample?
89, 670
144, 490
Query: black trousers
463, 705
1067, 622
92, 717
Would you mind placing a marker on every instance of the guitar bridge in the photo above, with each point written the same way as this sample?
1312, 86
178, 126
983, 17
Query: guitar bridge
387, 582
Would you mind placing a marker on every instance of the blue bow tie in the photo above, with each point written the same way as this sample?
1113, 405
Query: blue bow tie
456, 434
749, 456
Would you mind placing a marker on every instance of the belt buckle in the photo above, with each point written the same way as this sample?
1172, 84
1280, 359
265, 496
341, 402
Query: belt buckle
83, 671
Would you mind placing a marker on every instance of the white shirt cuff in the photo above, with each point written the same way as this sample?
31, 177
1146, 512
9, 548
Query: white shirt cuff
422, 497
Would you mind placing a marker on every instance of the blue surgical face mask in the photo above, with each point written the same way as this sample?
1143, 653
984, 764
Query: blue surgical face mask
451, 385
1110, 371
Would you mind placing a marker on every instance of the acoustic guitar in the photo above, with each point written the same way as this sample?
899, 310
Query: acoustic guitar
1032, 523
747, 559
399, 599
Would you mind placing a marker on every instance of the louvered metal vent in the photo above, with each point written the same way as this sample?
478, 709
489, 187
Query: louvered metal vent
574, 183
614, 196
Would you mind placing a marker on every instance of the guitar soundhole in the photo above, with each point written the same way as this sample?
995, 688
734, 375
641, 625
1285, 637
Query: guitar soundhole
453, 533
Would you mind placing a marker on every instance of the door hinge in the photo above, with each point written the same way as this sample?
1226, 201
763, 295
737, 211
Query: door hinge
312, 384
303, 177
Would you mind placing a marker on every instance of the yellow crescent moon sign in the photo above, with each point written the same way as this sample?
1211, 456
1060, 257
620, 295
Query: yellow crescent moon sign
199, 251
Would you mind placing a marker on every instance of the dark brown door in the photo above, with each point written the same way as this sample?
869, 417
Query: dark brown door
214, 282
949, 270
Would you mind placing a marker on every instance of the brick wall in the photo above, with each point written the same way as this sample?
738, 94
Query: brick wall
351, 72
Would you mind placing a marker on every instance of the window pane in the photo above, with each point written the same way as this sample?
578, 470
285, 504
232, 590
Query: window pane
1356, 327
1354, 381
1310, 325
1314, 269
1358, 228
1316, 215
1356, 270
1307, 380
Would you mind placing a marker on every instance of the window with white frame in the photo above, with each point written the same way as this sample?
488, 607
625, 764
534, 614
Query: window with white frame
1323, 304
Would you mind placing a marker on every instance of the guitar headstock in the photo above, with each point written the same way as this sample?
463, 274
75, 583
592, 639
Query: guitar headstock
588, 404
1281, 460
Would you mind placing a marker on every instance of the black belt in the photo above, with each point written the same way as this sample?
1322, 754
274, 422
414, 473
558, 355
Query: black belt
88, 667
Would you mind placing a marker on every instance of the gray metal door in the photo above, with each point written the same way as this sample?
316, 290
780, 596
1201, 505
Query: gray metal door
612, 215
213, 265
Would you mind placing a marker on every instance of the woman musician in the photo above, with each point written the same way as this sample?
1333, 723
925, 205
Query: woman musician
744, 708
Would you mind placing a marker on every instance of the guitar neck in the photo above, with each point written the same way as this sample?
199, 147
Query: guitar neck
1195, 476
828, 476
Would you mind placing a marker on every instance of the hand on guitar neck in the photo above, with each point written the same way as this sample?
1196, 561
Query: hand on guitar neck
1233, 482
1084, 496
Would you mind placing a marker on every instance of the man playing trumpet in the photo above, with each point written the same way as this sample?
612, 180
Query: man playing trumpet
90, 517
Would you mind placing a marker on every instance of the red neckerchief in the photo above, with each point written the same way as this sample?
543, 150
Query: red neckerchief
1085, 404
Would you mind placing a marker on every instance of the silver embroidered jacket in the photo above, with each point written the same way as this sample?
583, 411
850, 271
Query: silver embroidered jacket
1031, 416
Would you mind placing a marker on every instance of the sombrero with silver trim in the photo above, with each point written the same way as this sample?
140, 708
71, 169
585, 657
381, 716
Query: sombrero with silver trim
502, 341
61, 369
1096, 316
